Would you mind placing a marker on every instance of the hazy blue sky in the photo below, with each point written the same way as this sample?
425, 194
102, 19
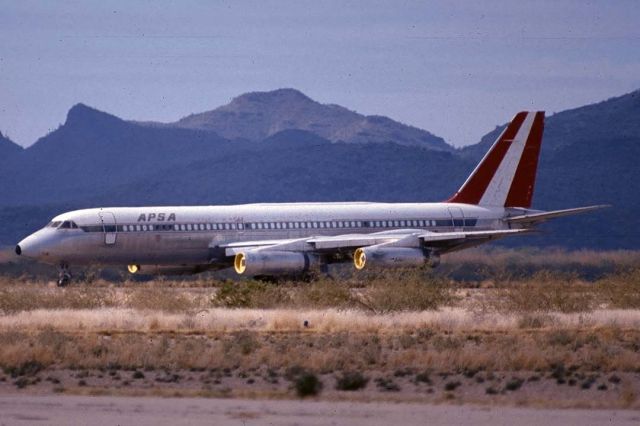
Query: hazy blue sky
454, 68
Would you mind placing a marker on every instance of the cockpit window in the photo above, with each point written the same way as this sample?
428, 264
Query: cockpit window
53, 224
68, 224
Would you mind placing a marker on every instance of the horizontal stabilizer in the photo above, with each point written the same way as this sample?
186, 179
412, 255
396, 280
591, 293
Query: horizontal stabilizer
542, 216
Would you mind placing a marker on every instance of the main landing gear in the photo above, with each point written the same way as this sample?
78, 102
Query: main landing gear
64, 276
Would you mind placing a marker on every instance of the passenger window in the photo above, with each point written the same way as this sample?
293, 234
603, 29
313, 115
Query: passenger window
233, 226
240, 226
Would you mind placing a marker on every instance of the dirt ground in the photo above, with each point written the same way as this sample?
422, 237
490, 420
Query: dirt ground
533, 389
99, 411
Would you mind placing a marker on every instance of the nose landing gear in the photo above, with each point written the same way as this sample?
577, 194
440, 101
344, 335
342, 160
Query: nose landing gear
64, 276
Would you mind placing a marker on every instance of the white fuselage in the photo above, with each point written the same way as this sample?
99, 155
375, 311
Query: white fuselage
191, 235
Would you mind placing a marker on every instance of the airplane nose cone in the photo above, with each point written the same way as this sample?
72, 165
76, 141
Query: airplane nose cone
31, 247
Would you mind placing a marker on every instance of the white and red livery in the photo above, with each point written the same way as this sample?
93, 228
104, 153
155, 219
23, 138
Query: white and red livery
291, 238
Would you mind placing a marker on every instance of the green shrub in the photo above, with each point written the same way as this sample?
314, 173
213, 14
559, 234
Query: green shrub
451, 386
27, 368
307, 384
514, 384
250, 294
323, 293
387, 385
351, 381
409, 290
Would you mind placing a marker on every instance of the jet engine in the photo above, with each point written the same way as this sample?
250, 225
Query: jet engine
393, 257
166, 269
273, 262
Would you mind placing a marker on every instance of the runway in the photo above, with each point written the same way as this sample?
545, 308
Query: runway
141, 411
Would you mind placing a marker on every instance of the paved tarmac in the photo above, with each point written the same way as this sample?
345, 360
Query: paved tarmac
141, 411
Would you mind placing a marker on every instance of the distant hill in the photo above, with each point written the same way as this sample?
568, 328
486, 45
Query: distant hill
256, 116
97, 159
93, 151
8, 148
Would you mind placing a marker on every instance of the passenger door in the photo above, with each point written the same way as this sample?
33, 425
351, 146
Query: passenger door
109, 228
457, 218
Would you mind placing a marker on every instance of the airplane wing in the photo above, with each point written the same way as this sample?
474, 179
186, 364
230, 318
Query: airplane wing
405, 238
533, 218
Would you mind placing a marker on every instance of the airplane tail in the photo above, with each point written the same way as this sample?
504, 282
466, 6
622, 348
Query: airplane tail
506, 175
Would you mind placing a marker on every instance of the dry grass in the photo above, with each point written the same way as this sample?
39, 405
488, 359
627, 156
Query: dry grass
384, 292
377, 322
25, 298
407, 291
552, 292
118, 320
251, 341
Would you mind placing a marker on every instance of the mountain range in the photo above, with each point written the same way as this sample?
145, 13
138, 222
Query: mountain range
283, 146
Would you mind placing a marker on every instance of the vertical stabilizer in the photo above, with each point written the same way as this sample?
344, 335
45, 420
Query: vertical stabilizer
506, 175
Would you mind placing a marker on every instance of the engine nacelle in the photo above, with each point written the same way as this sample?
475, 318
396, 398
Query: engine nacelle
393, 257
273, 262
166, 269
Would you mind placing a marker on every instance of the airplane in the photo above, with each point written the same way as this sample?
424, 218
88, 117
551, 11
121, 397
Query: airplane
267, 240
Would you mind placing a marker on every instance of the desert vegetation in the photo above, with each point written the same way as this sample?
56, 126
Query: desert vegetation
553, 336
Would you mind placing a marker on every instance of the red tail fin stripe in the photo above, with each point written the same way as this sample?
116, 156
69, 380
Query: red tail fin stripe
521, 190
473, 189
